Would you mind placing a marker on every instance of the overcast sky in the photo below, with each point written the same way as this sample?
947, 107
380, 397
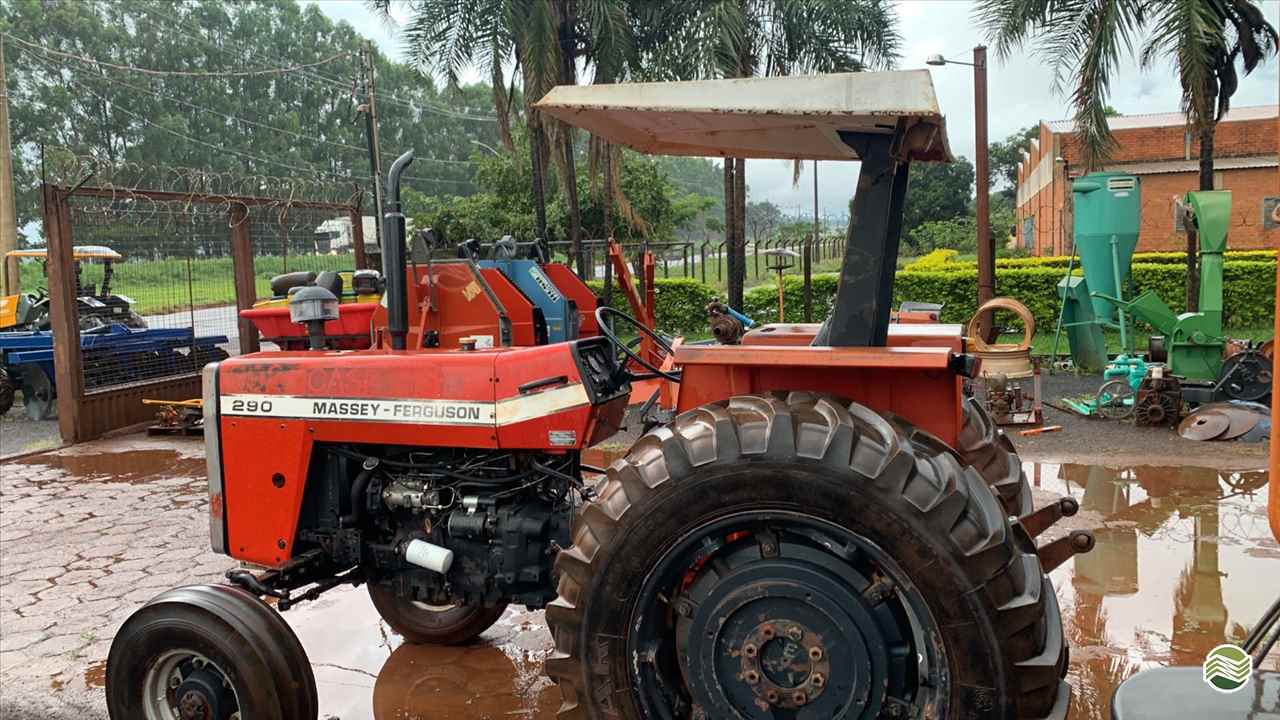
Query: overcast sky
1019, 91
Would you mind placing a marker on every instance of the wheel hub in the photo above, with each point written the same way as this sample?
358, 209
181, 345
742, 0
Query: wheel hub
202, 696
765, 613
773, 635
785, 663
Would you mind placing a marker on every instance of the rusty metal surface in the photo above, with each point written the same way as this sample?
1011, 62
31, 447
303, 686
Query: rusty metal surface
85, 415
1204, 426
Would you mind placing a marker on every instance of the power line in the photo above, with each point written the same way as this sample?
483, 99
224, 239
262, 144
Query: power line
254, 123
382, 97
250, 156
178, 73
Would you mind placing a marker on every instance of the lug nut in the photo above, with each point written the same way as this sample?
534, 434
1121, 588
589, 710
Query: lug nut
815, 653
752, 677
768, 632
795, 634
799, 698
771, 696
818, 681
750, 650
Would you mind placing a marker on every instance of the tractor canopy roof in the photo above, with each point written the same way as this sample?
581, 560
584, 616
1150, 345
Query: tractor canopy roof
777, 117
79, 252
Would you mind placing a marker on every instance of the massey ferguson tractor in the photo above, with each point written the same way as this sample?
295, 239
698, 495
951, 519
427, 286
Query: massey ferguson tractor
826, 529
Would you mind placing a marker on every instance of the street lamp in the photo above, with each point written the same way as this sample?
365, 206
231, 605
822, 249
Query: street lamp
986, 253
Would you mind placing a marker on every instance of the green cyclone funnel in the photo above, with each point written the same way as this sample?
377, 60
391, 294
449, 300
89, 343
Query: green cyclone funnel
1106, 206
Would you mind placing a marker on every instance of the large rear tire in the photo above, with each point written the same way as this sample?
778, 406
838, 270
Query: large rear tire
987, 448
764, 509
426, 625
208, 651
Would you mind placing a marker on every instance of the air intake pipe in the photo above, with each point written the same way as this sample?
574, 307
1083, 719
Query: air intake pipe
393, 256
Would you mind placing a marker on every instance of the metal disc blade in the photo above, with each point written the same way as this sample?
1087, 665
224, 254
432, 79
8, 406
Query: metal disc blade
37, 395
1204, 426
1242, 421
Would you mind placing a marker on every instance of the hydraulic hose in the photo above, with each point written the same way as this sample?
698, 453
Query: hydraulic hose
358, 489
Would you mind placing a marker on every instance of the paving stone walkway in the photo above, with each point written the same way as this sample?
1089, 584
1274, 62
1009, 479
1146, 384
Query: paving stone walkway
86, 536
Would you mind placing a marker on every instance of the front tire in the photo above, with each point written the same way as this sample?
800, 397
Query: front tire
426, 625
774, 505
208, 651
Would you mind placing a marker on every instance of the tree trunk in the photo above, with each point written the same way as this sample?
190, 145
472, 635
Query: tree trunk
539, 180
739, 278
730, 217
1193, 239
575, 213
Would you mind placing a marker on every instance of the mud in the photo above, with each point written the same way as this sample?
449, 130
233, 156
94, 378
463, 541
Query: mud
1184, 561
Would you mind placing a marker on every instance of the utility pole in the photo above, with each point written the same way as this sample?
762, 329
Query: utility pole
371, 136
8, 209
986, 253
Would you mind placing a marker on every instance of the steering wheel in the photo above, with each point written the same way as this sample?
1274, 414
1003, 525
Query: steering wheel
602, 314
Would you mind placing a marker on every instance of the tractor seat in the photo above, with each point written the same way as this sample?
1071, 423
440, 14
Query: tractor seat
331, 281
282, 284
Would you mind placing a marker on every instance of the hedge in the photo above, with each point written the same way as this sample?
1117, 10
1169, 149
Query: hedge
1248, 295
1164, 258
681, 303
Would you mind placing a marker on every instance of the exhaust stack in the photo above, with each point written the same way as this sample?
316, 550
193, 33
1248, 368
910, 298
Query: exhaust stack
393, 256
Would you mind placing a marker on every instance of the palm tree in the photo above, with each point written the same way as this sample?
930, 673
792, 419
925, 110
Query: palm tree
547, 41
744, 38
1084, 41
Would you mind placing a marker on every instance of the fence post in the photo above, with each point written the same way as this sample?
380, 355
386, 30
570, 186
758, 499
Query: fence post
807, 260
64, 317
719, 257
242, 270
755, 251
703, 251
357, 237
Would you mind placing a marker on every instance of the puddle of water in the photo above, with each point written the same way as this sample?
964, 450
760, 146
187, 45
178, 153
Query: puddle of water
128, 466
364, 670
1184, 561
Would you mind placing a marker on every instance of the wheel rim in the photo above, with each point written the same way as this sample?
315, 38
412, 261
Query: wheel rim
185, 685
782, 611
1115, 399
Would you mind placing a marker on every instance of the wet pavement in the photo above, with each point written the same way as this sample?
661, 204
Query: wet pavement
1184, 560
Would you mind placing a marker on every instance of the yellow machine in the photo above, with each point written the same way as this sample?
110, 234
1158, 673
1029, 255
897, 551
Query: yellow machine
98, 306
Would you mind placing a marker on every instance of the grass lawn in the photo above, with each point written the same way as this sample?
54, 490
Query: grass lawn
173, 284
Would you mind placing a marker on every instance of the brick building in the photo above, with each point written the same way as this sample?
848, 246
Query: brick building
1161, 151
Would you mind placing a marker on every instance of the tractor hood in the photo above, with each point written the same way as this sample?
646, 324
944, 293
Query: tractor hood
783, 117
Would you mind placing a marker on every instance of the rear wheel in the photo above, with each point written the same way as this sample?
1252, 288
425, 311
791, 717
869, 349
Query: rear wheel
208, 651
983, 445
425, 624
797, 554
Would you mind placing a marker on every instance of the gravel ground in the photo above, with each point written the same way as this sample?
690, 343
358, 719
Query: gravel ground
1090, 440
20, 435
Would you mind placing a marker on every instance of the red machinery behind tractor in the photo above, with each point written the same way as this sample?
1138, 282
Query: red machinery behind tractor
826, 529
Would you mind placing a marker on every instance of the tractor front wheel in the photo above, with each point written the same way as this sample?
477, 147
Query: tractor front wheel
208, 651
424, 624
797, 555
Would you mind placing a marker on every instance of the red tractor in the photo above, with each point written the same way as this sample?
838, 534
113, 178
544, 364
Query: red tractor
826, 529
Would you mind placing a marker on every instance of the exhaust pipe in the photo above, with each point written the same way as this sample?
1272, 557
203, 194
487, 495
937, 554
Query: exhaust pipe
393, 256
